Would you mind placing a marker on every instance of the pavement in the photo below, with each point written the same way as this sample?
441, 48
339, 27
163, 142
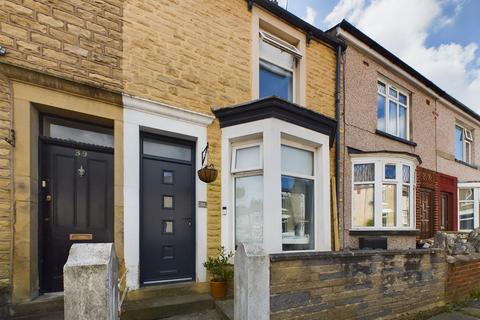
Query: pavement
471, 311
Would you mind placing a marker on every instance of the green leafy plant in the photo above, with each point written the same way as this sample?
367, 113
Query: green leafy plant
219, 267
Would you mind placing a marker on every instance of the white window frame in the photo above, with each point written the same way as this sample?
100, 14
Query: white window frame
264, 21
274, 132
389, 85
476, 203
239, 146
467, 140
282, 45
378, 183
313, 177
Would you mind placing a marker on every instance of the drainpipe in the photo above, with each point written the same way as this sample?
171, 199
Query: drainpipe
337, 134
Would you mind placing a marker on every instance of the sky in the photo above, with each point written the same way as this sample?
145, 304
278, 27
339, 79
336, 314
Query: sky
439, 38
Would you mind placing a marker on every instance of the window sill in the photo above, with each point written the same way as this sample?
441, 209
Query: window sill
466, 164
398, 232
391, 136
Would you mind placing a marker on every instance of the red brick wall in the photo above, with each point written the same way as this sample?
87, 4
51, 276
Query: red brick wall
437, 183
462, 279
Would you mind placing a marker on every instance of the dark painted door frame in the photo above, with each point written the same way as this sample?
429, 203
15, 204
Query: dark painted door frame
44, 205
171, 140
427, 221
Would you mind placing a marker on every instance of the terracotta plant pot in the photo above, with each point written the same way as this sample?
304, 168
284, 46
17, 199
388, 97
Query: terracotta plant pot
218, 289
208, 174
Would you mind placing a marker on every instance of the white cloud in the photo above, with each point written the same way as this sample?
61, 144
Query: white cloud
349, 9
403, 27
310, 16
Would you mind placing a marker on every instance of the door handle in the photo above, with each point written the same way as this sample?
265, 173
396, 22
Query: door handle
188, 221
48, 198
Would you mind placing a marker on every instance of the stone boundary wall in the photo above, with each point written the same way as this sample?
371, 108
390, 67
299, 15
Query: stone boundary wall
369, 284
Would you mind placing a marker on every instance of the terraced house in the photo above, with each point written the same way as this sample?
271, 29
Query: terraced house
410, 151
108, 110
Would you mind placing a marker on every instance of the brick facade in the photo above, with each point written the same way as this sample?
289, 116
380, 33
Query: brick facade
462, 278
169, 63
436, 183
187, 54
356, 285
75, 40
5, 195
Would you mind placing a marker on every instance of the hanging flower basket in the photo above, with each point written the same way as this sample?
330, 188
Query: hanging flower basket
208, 173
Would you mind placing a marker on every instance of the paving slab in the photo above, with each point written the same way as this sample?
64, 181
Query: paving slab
453, 316
205, 315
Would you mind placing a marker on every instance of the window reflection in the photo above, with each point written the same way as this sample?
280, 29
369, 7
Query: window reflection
297, 214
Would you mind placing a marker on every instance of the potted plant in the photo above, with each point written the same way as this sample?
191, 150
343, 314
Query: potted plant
220, 270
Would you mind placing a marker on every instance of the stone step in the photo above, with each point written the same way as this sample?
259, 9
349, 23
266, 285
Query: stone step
168, 290
43, 305
44, 316
225, 308
164, 307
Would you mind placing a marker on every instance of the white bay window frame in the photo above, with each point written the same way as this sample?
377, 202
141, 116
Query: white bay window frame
378, 182
476, 203
274, 133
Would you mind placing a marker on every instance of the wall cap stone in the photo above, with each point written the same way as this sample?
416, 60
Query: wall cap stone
349, 253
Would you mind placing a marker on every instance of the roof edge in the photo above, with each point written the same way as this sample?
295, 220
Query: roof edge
292, 19
347, 26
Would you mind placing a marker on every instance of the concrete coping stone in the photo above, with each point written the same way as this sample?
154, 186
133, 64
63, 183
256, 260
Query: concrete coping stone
463, 258
349, 253
89, 254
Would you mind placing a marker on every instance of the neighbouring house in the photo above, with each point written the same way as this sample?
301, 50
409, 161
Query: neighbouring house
409, 151
108, 109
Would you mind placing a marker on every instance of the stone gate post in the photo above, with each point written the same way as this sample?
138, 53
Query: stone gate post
90, 282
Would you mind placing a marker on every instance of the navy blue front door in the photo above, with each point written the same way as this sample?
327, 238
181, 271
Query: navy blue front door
167, 203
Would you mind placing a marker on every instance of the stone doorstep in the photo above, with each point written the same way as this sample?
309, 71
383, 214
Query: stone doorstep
164, 307
41, 306
168, 290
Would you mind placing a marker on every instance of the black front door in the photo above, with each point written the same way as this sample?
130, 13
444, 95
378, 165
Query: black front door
76, 193
167, 252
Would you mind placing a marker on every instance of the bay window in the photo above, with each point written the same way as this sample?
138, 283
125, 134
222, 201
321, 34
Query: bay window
392, 110
247, 165
298, 196
466, 205
382, 190
463, 144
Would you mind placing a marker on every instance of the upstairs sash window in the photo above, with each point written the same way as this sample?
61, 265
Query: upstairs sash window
278, 60
392, 110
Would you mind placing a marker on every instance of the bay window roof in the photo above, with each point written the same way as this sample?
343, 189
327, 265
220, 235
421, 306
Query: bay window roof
274, 107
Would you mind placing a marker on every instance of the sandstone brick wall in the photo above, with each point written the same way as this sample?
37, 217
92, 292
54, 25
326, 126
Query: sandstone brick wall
463, 277
79, 40
5, 195
197, 54
194, 55
360, 285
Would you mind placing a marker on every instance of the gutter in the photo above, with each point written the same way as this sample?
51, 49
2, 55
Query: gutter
337, 133
349, 33
290, 18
